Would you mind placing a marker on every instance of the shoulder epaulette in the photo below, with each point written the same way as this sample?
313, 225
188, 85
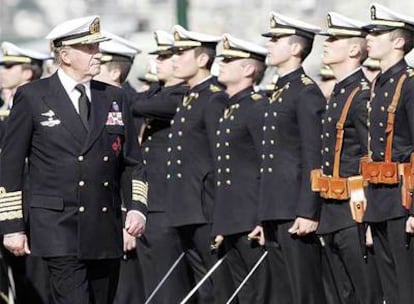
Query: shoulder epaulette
256, 96
214, 88
364, 85
410, 72
306, 80
4, 113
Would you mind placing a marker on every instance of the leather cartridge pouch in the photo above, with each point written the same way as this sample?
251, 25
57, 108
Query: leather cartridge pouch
329, 187
380, 172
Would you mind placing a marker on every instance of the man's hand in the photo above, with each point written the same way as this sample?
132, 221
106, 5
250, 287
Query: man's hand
258, 235
16, 243
303, 226
218, 240
409, 225
130, 242
134, 223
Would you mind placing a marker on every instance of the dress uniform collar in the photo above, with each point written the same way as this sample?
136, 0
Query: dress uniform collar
289, 77
203, 85
237, 98
395, 69
350, 79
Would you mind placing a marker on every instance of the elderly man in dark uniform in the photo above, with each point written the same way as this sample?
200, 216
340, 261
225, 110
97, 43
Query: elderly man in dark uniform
190, 173
288, 209
345, 136
391, 142
159, 247
237, 160
77, 136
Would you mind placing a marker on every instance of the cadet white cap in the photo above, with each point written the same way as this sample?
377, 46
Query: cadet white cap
281, 25
238, 48
83, 30
383, 19
14, 54
371, 64
340, 25
184, 39
165, 42
117, 49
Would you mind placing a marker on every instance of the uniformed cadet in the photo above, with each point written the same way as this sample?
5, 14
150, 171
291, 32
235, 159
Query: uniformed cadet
77, 137
391, 129
190, 172
159, 247
344, 143
118, 55
237, 160
19, 66
291, 143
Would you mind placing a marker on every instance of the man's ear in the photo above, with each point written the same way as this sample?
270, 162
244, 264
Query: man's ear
399, 43
64, 56
27, 74
248, 70
202, 60
354, 50
115, 75
295, 49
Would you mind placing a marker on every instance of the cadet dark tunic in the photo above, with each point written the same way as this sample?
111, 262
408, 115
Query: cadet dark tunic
384, 201
336, 214
74, 199
190, 177
237, 161
158, 108
291, 149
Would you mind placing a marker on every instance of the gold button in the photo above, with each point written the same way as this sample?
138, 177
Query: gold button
221, 119
227, 170
327, 164
386, 94
381, 139
269, 170
231, 117
228, 131
218, 183
227, 156
106, 184
219, 170
149, 127
179, 175
263, 156
272, 142
80, 158
81, 209
170, 135
178, 161
381, 124
273, 128
391, 80
261, 170
218, 132
274, 114
335, 105
183, 119
106, 158
382, 108
104, 209
323, 121
169, 163
266, 114
180, 133
169, 149
342, 91
271, 156
382, 153
326, 149
228, 182
149, 137
217, 145
168, 176
147, 149
226, 144
264, 128
81, 183
219, 158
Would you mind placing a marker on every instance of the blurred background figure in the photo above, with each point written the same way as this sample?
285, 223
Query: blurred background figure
326, 81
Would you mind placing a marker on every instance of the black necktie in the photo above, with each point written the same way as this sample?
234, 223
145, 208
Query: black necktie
84, 105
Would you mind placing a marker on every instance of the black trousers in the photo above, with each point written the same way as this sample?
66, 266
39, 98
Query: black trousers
295, 265
394, 260
242, 255
158, 249
30, 276
82, 281
196, 241
130, 285
350, 276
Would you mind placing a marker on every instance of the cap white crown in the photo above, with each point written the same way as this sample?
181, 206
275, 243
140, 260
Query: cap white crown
181, 33
230, 42
119, 45
381, 13
11, 52
288, 21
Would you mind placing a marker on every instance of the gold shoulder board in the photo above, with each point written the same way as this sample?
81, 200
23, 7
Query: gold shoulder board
256, 96
214, 88
307, 81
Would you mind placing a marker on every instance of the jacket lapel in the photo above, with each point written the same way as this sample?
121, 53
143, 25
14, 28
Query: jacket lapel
100, 106
59, 101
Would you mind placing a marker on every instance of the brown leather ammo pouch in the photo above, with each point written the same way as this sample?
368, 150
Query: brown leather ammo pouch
380, 172
329, 187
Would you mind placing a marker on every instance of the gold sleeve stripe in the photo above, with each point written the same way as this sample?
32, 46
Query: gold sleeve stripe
139, 191
17, 203
10, 197
11, 215
3, 209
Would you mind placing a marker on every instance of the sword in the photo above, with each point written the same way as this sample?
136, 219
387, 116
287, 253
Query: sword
206, 276
158, 287
259, 261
